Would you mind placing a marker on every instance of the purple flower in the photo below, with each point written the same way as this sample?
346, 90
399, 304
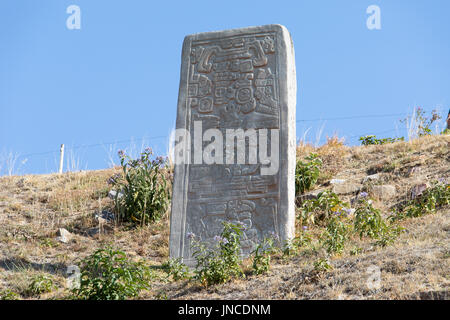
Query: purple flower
221, 239
305, 228
273, 235
348, 211
121, 153
113, 179
191, 235
363, 194
242, 225
148, 150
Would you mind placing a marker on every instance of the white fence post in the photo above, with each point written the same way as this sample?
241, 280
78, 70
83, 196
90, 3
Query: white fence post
61, 158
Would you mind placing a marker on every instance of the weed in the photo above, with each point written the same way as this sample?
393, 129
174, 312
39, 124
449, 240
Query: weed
292, 247
9, 295
336, 234
40, 284
108, 274
262, 256
372, 140
176, 269
355, 251
321, 209
143, 192
222, 262
434, 197
161, 296
322, 265
419, 123
369, 222
306, 173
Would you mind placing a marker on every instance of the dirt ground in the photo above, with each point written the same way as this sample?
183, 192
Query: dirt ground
416, 266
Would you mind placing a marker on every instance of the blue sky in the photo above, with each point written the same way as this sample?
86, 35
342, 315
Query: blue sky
117, 77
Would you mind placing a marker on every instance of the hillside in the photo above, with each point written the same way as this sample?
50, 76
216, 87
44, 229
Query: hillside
415, 266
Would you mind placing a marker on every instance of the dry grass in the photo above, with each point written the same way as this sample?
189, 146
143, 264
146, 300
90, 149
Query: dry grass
33, 207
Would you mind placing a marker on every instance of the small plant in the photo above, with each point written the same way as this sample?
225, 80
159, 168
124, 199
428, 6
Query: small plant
176, 269
321, 209
436, 196
142, 193
389, 235
161, 296
336, 234
262, 256
306, 173
419, 123
40, 284
291, 247
9, 295
368, 222
49, 243
355, 251
108, 274
372, 140
220, 263
322, 265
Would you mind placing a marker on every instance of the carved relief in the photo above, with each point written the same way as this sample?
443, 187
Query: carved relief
233, 84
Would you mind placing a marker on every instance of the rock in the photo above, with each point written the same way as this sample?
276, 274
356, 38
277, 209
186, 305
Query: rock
384, 192
113, 193
346, 188
105, 215
372, 177
418, 189
251, 71
64, 235
155, 237
413, 170
310, 195
337, 181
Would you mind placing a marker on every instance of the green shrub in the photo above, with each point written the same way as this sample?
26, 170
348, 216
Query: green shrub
108, 274
262, 256
291, 247
176, 269
322, 265
434, 197
306, 173
222, 262
368, 222
355, 251
336, 234
142, 190
319, 210
40, 284
9, 295
372, 140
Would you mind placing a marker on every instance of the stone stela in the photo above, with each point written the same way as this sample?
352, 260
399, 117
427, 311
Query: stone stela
236, 79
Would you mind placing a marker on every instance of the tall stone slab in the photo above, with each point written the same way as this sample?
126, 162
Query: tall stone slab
240, 79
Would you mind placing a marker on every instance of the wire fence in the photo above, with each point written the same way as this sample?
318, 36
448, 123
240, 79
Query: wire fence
10, 159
